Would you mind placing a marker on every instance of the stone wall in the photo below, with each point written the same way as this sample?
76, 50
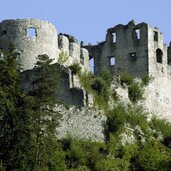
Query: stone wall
74, 50
68, 92
157, 53
124, 50
134, 49
157, 98
83, 123
31, 37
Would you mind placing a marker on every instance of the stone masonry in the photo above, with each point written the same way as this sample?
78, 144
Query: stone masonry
137, 49
33, 37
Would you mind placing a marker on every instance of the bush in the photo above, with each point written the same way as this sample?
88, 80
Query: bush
106, 76
126, 78
116, 119
63, 57
136, 116
98, 85
152, 156
75, 68
161, 125
135, 92
145, 80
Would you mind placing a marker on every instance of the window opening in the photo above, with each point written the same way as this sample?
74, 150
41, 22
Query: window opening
112, 61
133, 56
114, 37
4, 32
156, 36
1, 54
159, 55
137, 34
92, 65
31, 32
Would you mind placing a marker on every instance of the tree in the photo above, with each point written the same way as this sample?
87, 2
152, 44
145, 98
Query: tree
15, 114
46, 118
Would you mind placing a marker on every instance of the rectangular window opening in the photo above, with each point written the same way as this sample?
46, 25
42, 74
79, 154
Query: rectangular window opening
156, 36
92, 65
114, 37
31, 32
133, 57
112, 61
1, 54
137, 34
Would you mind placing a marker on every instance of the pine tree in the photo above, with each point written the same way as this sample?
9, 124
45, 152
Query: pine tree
45, 119
15, 114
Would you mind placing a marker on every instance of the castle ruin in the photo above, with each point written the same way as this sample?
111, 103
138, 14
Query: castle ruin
33, 37
136, 49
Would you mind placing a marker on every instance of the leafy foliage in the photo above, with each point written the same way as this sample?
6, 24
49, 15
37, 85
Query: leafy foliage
63, 57
145, 80
135, 92
15, 116
28, 126
126, 78
75, 68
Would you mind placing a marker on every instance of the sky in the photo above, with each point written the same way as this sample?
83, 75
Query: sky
88, 20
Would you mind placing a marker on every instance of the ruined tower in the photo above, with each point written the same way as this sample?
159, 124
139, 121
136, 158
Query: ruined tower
136, 49
31, 37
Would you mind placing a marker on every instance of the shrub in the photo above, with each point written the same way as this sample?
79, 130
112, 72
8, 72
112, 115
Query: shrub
86, 78
152, 156
75, 68
116, 118
161, 125
145, 80
137, 116
63, 57
126, 78
98, 85
135, 92
106, 76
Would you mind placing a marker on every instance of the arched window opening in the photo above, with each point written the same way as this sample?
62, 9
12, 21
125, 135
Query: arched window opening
92, 65
159, 55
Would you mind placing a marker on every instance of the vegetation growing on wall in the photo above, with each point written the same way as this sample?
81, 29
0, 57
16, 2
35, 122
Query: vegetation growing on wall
28, 128
63, 57
75, 68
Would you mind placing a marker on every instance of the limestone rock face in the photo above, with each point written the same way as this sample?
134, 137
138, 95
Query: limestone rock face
157, 98
84, 123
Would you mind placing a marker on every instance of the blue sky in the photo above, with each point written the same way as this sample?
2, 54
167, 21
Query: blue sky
88, 20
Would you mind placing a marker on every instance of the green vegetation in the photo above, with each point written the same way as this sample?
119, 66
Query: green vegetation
63, 57
126, 78
98, 86
75, 68
135, 88
28, 126
135, 92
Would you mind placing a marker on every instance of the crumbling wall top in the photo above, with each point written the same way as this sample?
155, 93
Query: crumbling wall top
70, 38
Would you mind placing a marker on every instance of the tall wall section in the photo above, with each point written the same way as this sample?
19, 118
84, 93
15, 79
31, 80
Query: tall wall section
124, 50
157, 53
31, 37
74, 50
